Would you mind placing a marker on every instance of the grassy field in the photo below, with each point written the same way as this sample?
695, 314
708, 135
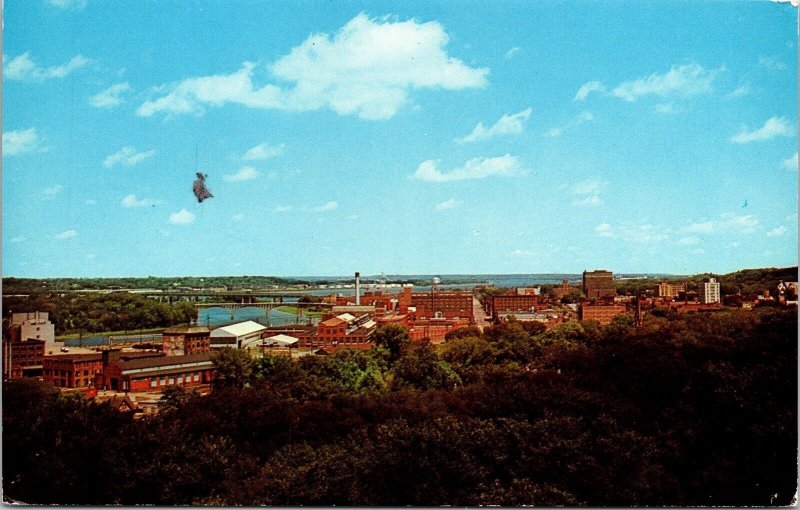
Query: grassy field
296, 309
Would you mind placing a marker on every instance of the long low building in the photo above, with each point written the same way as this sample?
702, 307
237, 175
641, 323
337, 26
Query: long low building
237, 335
153, 374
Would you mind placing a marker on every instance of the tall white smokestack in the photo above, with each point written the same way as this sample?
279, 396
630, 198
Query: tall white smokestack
358, 288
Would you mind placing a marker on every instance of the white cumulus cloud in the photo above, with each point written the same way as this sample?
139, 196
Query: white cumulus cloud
604, 230
263, 151
746, 223
67, 234
22, 68
774, 126
368, 68
20, 141
701, 227
475, 168
509, 124
132, 201
110, 97
640, 233
182, 217
246, 173
587, 88
448, 204
684, 80
127, 156
777, 231
328, 206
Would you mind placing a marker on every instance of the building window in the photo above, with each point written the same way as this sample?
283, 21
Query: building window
153, 382
163, 380
172, 380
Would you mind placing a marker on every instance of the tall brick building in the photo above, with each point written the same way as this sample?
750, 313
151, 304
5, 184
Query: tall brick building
509, 304
443, 304
598, 284
182, 340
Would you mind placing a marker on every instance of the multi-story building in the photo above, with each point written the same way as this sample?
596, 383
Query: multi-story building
22, 358
182, 340
34, 325
442, 304
598, 284
344, 331
708, 291
671, 290
511, 304
72, 370
603, 314
434, 330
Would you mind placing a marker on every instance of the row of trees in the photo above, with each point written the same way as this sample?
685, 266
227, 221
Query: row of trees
687, 410
92, 313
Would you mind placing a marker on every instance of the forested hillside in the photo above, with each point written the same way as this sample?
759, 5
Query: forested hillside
690, 410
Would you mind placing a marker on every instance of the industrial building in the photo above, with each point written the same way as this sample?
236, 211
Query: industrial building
344, 331
237, 336
34, 325
504, 305
437, 304
153, 373
603, 314
22, 358
182, 340
72, 370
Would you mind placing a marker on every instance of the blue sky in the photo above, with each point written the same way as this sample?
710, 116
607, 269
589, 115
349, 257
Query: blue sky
399, 137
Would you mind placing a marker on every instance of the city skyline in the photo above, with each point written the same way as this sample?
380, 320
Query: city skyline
414, 138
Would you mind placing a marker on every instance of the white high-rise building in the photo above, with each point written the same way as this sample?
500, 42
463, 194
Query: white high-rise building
708, 292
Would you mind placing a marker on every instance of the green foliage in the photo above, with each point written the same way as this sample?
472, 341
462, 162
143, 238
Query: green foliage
462, 332
91, 313
232, 368
392, 337
420, 368
687, 410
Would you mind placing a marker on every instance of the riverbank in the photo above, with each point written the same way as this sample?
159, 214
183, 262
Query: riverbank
295, 310
127, 332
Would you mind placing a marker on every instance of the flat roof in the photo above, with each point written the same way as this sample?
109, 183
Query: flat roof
184, 330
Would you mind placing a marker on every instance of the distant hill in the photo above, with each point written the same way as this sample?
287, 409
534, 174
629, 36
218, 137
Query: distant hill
748, 281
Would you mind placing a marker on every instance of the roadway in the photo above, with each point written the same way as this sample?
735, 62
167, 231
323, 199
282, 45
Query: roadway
478, 314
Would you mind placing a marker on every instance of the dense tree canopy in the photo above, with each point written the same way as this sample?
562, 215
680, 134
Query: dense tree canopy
92, 313
689, 410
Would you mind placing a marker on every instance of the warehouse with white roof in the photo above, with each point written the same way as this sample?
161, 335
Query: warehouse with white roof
237, 335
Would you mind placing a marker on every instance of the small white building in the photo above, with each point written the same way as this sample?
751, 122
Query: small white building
280, 341
237, 335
